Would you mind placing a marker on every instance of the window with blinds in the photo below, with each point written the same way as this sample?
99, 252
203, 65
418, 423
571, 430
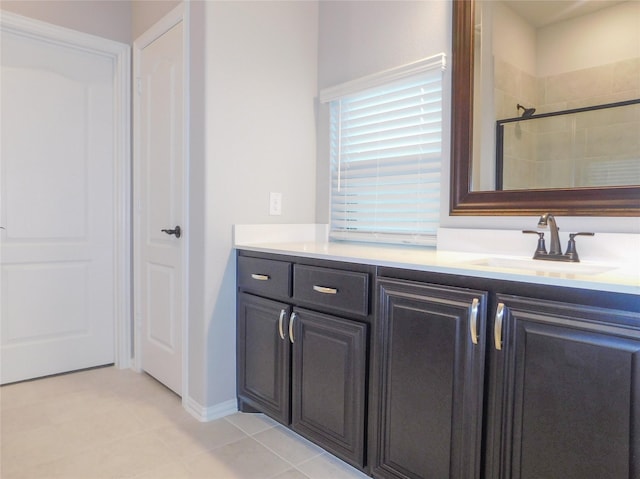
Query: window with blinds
386, 149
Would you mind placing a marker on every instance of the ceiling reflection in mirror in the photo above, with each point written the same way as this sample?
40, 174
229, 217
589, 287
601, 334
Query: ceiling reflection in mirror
557, 89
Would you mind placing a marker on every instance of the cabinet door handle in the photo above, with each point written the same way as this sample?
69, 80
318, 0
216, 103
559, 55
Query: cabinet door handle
293, 317
260, 277
324, 289
497, 326
473, 320
283, 313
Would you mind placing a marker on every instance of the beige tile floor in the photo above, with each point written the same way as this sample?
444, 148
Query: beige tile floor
109, 423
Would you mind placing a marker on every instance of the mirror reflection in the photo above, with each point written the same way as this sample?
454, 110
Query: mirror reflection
594, 146
557, 89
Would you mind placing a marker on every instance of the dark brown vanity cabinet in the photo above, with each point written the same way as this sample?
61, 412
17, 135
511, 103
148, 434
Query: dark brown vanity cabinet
448, 377
431, 366
551, 389
565, 391
298, 360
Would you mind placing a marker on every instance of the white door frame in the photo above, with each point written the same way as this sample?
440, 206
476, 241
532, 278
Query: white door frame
120, 55
175, 16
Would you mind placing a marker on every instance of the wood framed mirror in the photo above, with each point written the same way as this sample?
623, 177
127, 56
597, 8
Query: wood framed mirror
583, 201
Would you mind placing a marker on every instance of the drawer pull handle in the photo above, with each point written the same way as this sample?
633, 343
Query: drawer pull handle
497, 326
293, 317
260, 277
325, 290
283, 313
473, 320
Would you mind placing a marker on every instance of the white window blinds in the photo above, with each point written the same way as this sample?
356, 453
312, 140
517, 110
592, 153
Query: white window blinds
386, 154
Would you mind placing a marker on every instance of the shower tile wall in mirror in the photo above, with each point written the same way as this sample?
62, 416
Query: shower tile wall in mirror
529, 67
585, 147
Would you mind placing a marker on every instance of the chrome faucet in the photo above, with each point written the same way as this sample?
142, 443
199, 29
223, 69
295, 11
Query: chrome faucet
555, 251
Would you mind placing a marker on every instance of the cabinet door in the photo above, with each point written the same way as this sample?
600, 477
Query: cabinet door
263, 356
567, 392
431, 375
329, 378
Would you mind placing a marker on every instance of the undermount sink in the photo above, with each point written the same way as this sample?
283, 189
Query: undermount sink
542, 266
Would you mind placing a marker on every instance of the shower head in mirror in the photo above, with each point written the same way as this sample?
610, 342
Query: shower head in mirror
526, 112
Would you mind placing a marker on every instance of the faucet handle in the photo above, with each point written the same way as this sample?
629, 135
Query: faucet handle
582, 233
541, 249
572, 253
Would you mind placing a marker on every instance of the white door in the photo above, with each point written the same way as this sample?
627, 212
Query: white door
160, 165
59, 182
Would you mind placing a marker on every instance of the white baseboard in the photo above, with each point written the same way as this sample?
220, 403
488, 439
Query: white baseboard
205, 414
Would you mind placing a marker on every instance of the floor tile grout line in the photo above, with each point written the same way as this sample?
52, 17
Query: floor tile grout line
266, 446
207, 450
248, 433
294, 465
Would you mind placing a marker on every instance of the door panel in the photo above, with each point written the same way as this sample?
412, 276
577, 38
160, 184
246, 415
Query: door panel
328, 382
432, 381
162, 308
567, 378
160, 176
31, 320
264, 356
58, 194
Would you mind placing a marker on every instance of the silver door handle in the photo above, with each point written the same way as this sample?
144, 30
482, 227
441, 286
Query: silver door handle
260, 277
497, 327
293, 317
473, 320
280, 321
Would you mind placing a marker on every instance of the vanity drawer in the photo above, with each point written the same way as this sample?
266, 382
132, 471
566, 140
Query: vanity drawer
265, 276
332, 288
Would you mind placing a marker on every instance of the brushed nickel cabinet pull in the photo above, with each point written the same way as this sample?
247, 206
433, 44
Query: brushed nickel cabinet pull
280, 321
324, 289
497, 326
473, 320
260, 277
293, 317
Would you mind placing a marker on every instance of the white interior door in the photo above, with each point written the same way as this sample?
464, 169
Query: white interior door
160, 177
59, 182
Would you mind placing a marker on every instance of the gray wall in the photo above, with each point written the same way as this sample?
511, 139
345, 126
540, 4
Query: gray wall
261, 81
103, 18
145, 13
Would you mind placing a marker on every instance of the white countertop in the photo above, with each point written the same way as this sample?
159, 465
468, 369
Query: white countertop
612, 276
